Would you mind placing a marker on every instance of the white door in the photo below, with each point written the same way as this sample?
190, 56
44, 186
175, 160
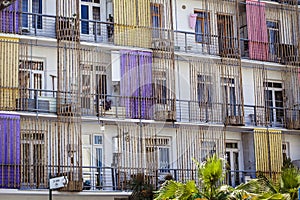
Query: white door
232, 157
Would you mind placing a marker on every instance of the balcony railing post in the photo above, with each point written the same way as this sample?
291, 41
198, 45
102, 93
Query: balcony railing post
35, 24
95, 28
255, 122
36, 100
185, 41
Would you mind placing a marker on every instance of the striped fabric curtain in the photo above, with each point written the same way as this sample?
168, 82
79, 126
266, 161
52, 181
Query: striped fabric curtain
10, 151
257, 30
136, 83
268, 151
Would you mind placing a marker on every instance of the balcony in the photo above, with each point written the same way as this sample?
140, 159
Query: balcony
285, 54
168, 110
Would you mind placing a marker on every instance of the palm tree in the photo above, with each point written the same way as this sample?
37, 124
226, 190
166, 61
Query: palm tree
211, 174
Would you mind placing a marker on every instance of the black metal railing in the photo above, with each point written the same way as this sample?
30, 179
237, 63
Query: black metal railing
152, 108
42, 25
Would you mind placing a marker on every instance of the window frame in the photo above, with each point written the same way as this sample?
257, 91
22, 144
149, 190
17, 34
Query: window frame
203, 36
28, 7
274, 116
156, 29
207, 84
228, 85
90, 17
155, 146
28, 68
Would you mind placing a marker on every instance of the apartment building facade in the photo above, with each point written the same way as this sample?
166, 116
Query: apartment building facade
102, 90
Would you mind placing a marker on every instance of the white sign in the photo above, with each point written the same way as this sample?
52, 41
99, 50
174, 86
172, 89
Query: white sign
58, 182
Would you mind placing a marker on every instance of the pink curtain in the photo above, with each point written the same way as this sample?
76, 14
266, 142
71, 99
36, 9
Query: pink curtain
257, 30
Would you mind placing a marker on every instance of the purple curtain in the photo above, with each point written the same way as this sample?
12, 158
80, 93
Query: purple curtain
136, 84
9, 18
10, 151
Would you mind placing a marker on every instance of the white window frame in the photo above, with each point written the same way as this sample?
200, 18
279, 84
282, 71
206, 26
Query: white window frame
287, 150
157, 147
91, 5
273, 90
31, 75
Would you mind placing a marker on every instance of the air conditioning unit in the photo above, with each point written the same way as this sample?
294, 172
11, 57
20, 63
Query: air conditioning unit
293, 124
66, 110
164, 115
30, 104
66, 29
234, 120
161, 44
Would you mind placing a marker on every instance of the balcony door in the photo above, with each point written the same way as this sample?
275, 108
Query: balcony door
229, 95
233, 167
33, 160
273, 37
156, 19
225, 34
274, 103
31, 76
34, 19
90, 17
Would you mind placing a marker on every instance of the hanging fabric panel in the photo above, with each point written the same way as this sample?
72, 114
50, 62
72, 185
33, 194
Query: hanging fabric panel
9, 151
268, 151
9, 67
136, 83
132, 23
257, 30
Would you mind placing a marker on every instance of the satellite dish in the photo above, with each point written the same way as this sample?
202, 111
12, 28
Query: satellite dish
6, 3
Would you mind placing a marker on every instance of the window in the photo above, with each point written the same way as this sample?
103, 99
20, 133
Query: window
98, 156
36, 8
98, 139
273, 37
90, 10
94, 86
31, 77
86, 91
225, 33
160, 87
156, 19
202, 28
158, 153
274, 102
204, 90
229, 96
161, 91
285, 151
208, 148
33, 158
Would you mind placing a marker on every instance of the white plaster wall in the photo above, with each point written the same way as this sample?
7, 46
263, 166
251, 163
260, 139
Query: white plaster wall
233, 136
182, 77
248, 92
273, 75
94, 128
47, 54
183, 88
294, 148
49, 7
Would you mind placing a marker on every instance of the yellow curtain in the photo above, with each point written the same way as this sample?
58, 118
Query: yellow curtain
9, 62
268, 151
132, 23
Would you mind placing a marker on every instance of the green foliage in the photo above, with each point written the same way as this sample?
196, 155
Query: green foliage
290, 182
211, 174
176, 190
